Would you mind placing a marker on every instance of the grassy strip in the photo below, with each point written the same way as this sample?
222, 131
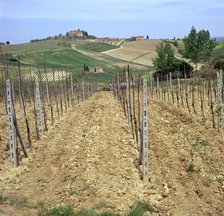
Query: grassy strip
97, 47
139, 210
219, 50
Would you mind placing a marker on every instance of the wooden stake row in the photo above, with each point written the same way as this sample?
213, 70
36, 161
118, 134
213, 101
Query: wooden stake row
128, 93
192, 94
35, 98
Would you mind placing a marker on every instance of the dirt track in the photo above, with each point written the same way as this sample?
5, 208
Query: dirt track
89, 160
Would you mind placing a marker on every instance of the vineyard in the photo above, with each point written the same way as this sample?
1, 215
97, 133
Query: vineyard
65, 141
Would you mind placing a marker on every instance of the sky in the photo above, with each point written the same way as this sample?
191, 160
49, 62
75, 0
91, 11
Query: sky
23, 20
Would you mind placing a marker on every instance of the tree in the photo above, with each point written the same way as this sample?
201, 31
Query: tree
198, 46
147, 37
7, 42
165, 58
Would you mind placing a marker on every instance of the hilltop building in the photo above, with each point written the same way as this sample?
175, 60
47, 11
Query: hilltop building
139, 37
77, 33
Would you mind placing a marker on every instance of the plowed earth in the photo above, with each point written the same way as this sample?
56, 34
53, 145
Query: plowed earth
89, 160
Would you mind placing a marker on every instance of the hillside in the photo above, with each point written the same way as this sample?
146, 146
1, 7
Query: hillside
62, 57
140, 52
82, 163
219, 50
66, 53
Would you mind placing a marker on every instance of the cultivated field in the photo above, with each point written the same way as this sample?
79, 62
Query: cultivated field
81, 161
140, 52
84, 153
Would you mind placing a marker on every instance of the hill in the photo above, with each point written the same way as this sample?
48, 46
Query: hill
219, 50
66, 53
140, 52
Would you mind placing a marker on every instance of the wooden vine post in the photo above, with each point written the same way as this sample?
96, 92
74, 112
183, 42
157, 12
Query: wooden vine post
219, 99
39, 106
118, 87
128, 99
12, 140
145, 132
72, 91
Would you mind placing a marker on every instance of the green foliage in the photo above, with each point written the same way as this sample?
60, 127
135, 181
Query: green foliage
140, 209
190, 167
179, 67
109, 214
68, 211
197, 149
97, 47
63, 58
175, 43
219, 65
2, 198
219, 50
174, 130
103, 204
198, 46
58, 211
86, 212
165, 57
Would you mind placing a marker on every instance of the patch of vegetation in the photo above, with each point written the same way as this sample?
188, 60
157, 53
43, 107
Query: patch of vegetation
2, 198
198, 46
197, 149
103, 204
140, 209
109, 214
219, 64
58, 211
190, 167
219, 50
98, 47
174, 130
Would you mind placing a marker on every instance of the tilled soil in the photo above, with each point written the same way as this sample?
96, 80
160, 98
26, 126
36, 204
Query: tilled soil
89, 160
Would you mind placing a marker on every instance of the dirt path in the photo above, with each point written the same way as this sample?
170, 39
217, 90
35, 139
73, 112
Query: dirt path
89, 160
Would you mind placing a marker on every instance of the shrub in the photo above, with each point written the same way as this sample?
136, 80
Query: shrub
140, 209
219, 65
58, 211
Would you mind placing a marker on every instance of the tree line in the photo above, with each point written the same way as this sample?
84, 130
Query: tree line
197, 48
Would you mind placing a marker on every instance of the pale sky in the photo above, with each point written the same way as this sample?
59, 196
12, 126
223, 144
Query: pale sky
22, 20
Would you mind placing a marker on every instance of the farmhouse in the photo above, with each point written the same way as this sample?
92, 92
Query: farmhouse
95, 70
139, 37
76, 33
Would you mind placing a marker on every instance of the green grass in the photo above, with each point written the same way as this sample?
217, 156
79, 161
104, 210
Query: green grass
97, 47
57, 54
62, 57
65, 58
66, 210
42, 45
219, 50
140, 209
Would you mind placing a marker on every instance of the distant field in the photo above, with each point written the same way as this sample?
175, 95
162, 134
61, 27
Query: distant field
61, 57
64, 58
97, 46
46, 44
219, 50
140, 52
63, 53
